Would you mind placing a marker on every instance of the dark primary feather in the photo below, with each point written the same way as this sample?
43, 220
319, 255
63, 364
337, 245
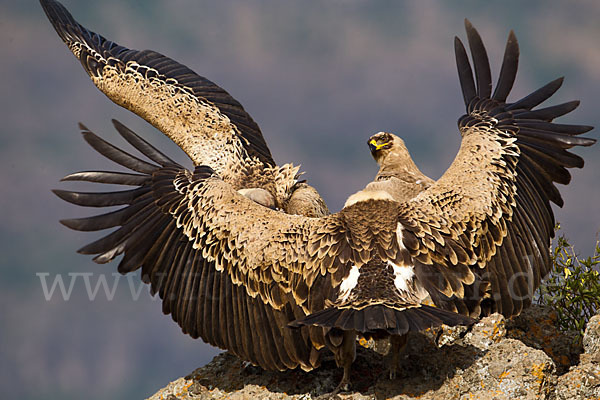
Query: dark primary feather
536, 98
117, 178
143, 146
97, 199
508, 71
483, 74
465, 73
115, 154
557, 128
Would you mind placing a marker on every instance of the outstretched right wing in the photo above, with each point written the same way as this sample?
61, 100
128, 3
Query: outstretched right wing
495, 197
199, 116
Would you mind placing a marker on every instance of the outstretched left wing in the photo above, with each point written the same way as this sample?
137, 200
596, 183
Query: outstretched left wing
190, 265
199, 116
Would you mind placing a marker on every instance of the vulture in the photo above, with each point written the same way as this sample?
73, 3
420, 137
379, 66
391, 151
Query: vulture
209, 125
268, 273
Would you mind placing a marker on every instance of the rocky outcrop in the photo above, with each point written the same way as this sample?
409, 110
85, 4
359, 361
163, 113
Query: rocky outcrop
582, 381
524, 358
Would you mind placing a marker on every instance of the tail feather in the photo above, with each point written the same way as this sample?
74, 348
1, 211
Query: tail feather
381, 318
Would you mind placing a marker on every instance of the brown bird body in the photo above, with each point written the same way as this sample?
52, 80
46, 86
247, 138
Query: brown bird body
276, 289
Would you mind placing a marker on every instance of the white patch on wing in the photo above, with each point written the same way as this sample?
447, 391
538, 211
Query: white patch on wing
399, 238
407, 273
403, 275
349, 283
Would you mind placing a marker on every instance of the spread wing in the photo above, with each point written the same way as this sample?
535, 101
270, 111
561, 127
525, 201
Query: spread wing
494, 200
203, 119
209, 270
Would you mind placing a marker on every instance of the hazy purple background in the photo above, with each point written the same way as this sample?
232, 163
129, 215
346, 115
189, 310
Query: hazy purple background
318, 76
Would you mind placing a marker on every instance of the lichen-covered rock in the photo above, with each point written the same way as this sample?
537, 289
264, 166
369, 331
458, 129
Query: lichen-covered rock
591, 338
537, 327
486, 332
508, 370
226, 377
583, 380
485, 362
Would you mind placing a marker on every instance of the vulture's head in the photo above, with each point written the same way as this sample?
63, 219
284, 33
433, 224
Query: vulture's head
383, 143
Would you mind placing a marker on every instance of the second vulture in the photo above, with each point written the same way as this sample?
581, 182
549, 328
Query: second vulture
276, 289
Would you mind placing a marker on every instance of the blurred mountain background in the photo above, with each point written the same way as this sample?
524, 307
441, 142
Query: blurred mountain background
318, 76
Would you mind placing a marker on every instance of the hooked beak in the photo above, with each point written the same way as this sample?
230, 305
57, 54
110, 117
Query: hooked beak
373, 146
